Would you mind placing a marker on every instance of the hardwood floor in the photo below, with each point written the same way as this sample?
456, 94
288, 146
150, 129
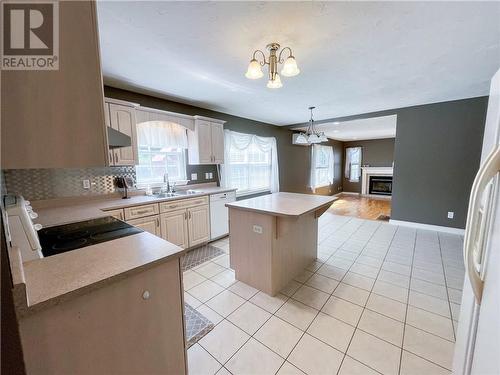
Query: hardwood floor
362, 207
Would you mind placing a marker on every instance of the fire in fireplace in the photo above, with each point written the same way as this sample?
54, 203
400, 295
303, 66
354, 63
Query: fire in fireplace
380, 185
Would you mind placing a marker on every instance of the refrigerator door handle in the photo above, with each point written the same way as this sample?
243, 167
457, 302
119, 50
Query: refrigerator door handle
478, 222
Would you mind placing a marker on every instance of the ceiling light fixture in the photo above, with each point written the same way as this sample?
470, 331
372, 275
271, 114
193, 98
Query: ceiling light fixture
289, 69
311, 136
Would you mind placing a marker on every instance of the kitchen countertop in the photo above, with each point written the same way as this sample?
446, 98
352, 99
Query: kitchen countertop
56, 278
284, 204
65, 211
43, 282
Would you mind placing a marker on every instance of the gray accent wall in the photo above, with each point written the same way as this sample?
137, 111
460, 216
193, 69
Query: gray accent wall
376, 153
437, 154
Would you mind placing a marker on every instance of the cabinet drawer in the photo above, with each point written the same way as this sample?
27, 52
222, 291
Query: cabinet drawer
118, 214
182, 203
141, 211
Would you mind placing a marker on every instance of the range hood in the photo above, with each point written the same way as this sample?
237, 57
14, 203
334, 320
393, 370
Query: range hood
118, 139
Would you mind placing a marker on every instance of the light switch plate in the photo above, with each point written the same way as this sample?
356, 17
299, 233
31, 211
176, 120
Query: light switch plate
210, 175
451, 214
207, 176
257, 229
86, 184
194, 176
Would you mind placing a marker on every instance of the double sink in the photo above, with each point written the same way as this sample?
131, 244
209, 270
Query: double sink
161, 195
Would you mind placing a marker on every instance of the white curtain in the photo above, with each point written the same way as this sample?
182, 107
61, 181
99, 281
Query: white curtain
321, 166
242, 142
353, 163
161, 134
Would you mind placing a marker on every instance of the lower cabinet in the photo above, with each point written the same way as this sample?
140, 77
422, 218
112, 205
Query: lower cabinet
149, 224
187, 227
116, 328
174, 228
185, 223
198, 225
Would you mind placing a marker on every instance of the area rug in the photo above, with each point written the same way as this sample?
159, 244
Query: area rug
383, 217
197, 325
200, 255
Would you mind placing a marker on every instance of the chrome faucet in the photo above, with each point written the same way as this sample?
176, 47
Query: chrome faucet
166, 181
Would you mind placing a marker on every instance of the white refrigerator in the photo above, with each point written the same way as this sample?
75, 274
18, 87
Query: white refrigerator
477, 350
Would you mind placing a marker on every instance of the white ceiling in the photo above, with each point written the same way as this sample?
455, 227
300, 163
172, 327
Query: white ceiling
360, 129
355, 57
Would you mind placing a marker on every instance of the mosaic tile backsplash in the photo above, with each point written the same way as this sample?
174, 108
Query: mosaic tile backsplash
36, 184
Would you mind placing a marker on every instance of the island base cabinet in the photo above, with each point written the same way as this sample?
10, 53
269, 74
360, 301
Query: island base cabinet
267, 251
130, 326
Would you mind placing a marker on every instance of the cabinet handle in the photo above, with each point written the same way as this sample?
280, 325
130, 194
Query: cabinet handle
157, 222
116, 158
189, 214
185, 215
142, 212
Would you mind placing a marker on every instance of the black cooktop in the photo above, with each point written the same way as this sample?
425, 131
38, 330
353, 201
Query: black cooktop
63, 238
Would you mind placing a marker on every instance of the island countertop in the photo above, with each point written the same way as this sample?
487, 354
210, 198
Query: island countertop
284, 204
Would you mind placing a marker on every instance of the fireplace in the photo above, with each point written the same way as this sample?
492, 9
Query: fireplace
380, 185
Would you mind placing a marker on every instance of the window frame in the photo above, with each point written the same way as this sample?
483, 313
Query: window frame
328, 166
359, 164
246, 159
159, 182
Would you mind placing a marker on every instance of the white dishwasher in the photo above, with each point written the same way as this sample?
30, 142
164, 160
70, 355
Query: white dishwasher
219, 216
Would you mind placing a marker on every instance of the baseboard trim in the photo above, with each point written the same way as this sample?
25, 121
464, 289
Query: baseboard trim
437, 228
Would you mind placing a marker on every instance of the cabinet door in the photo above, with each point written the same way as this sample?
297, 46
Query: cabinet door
123, 119
205, 142
174, 228
149, 224
198, 225
217, 143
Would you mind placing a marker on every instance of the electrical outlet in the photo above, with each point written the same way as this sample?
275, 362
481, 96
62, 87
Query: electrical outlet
210, 175
451, 214
194, 176
86, 184
207, 176
257, 229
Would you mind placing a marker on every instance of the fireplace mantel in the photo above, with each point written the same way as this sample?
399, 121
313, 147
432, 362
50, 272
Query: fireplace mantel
366, 172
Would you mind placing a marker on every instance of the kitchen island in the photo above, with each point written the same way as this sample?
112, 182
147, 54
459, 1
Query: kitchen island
274, 237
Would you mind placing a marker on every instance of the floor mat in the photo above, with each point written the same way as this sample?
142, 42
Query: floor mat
197, 325
383, 217
200, 255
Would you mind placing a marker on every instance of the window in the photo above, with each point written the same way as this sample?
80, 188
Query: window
161, 148
154, 162
353, 157
251, 163
321, 166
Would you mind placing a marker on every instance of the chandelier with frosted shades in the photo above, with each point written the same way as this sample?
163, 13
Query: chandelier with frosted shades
289, 68
311, 135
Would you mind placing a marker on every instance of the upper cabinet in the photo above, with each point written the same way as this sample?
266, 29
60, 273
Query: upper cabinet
121, 116
55, 118
206, 142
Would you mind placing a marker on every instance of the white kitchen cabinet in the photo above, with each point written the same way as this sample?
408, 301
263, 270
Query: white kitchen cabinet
174, 228
206, 142
217, 137
198, 225
149, 224
120, 115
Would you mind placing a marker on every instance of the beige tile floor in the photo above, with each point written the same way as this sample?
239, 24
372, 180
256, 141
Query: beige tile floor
379, 299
